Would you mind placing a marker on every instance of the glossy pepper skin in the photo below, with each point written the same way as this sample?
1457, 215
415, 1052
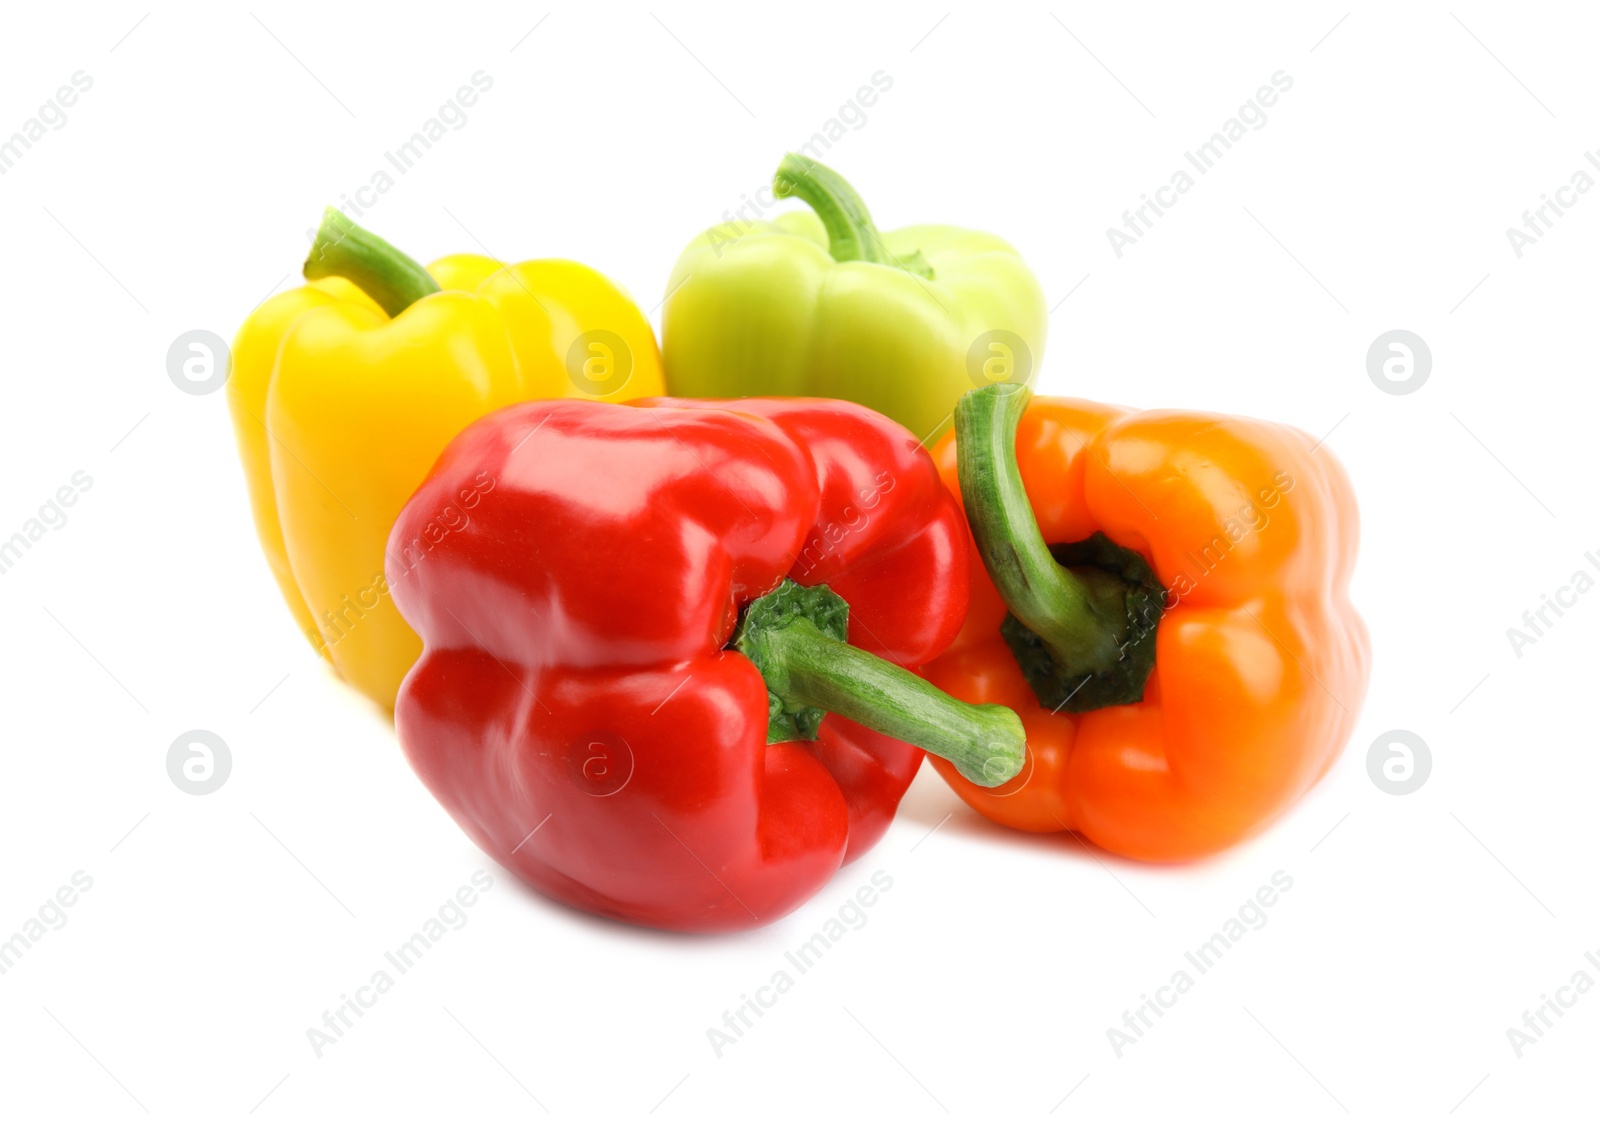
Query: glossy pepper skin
818, 302
576, 571
1261, 663
340, 407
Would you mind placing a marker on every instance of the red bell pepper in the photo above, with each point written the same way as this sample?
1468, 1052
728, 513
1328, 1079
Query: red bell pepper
620, 696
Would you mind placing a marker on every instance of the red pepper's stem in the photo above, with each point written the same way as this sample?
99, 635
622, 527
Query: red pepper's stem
795, 637
852, 237
343, 249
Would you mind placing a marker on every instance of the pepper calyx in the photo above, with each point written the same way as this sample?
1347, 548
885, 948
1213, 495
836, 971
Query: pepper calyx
1124, 575
796, 638
814, 606
852, 235
342, 248
1082, 616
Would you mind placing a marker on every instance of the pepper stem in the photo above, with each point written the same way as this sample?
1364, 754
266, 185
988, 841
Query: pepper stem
1090, 626
344, 249
852, 236
795, 637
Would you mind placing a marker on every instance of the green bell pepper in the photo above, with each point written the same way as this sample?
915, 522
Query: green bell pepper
820, 303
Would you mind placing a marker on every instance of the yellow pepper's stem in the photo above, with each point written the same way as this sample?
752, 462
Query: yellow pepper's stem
343, 249
852, 237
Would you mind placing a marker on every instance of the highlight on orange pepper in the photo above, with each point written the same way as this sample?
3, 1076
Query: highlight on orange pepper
1162, 598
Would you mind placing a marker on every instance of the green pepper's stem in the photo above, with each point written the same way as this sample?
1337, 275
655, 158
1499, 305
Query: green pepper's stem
851, 234
1081, 624
985, 742
343, 249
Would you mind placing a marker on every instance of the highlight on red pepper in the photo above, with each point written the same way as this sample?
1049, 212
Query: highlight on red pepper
665, 648
1162, 597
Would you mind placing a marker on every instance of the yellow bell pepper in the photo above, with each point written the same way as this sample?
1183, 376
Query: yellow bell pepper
344, 392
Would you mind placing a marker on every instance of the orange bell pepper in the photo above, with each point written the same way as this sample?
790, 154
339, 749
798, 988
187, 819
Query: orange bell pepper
1175, 585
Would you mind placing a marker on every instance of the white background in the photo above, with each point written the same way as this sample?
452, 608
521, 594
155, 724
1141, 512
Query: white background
1376, 197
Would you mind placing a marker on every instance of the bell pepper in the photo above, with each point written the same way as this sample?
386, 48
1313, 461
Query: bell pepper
1161, 596
343, 393
665, 648
819, 302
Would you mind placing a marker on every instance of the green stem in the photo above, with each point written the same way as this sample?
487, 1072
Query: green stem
983, 741
343, 249
795, 637
852, 237
1080, 622
851, 234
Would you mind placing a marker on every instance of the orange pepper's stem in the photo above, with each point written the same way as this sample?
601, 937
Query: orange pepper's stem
343, 249
1083, 633
1050, 600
